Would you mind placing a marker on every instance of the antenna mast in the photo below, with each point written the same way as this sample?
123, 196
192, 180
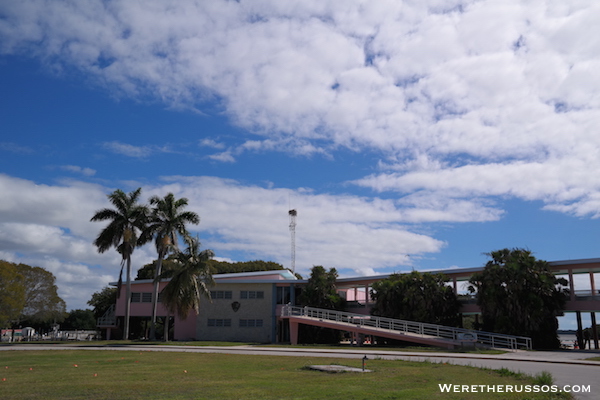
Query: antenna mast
292, 214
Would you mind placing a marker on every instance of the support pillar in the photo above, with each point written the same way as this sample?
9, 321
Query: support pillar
293, 332
454, 285
572, 286
579, 330
594, 331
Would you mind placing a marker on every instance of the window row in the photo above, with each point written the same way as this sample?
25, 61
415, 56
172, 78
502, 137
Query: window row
243, 323
244, 294
143, 297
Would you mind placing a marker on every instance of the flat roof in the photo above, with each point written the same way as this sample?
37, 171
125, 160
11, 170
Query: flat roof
560, 266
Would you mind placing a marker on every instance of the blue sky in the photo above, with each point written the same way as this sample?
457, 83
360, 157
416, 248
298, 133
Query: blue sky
407, 135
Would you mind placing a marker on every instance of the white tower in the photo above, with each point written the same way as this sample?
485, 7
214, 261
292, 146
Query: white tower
292, 214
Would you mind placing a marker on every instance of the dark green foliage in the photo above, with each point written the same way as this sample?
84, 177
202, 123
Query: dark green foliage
189, 279
216, 267
519, 295
103, 300
79, 320
127, 220
416, 296
224, 267
167, 222
148, 271
320, 292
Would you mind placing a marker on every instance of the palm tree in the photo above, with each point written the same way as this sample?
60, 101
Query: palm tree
166, 222
189, 281
126, 220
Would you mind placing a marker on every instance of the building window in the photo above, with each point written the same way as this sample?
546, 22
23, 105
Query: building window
252, 294
141, 297
251, 323
220, 294
216, 322
283, 295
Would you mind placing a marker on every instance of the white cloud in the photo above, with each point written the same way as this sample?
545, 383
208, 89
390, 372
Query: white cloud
49, 226
477, 86
78, 170
15, 148
346, 232
466, 101
206, 142
128, 149
224, 156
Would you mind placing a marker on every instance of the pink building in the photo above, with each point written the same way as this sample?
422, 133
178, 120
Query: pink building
246, 307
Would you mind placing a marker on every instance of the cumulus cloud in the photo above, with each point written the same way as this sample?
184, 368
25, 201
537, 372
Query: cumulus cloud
78, 170
463, 102
206, 142
49, 226
476, 85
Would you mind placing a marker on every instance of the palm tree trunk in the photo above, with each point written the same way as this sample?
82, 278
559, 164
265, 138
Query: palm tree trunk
155, 295
166, 328
127, 300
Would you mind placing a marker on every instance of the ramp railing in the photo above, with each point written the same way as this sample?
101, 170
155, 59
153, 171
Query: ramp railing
459, 335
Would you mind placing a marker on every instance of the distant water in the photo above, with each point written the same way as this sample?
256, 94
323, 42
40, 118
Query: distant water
567, 339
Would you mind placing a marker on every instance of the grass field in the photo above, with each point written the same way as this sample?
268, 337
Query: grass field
109, 374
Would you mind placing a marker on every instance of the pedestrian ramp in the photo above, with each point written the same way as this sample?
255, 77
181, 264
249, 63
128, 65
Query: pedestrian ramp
410, 331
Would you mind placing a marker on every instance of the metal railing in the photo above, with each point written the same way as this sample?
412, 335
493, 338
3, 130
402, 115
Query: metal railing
459, 335
587, 294
109, 318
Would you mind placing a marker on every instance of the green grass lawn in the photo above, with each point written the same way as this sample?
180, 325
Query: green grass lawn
109, 374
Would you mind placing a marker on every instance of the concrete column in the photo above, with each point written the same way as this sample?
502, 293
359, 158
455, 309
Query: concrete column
293, 332
572, 285
579, 330
594, 331
593, 285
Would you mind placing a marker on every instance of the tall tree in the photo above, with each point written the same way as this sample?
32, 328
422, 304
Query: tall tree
519, 295
320, 292
103, 300
79, 320
127, 220
29, 296
42, 302
168, 220
189, 280
416, 296
12, 293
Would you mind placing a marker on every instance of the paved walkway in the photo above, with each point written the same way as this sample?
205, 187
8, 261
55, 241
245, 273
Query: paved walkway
567, 367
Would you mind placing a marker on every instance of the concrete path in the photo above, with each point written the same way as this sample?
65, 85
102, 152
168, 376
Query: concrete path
567, 367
